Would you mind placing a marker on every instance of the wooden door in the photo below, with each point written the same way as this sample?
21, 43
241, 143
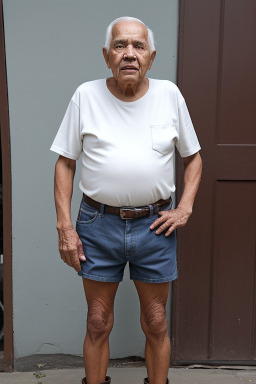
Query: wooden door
214, 299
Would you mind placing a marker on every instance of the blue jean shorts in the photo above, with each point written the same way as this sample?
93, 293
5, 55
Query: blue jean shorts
109, 242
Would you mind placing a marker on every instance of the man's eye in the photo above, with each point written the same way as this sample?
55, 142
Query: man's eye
139, 47
119, 46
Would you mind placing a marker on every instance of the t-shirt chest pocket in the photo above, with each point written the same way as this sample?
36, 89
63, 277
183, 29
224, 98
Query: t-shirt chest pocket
163, 137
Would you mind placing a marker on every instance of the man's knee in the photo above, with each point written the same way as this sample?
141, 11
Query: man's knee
99, 320
153, 321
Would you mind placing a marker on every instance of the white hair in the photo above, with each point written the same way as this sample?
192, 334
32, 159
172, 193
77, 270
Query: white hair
151, 41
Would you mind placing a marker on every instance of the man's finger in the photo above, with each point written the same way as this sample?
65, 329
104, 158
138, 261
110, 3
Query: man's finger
81, 251
164, 226
170, 230
62, 255
74, 260
67, 257
158, 221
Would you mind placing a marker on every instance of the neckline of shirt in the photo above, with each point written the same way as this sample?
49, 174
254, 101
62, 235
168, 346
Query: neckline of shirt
129, 102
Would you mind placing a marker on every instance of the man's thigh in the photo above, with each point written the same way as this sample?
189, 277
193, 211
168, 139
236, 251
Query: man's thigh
152, 293
101, 292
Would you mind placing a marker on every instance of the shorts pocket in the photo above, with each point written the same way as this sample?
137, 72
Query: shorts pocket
163, 137
86, 214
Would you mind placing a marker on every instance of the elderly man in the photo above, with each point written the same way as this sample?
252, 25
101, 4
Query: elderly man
126, 127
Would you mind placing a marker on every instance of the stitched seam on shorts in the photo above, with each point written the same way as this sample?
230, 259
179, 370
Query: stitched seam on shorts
172, 277
100, 278
125, 242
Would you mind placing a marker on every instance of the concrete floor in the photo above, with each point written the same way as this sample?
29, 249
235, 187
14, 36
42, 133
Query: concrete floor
135, 376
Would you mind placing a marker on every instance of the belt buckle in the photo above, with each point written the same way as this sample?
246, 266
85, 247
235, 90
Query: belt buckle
123, 212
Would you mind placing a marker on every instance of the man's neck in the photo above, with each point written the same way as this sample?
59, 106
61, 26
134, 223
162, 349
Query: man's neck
127, 91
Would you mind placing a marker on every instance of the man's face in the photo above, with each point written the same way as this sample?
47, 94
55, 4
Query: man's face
129, 55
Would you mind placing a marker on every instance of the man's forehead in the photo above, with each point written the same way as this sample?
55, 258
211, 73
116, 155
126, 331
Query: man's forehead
129, 29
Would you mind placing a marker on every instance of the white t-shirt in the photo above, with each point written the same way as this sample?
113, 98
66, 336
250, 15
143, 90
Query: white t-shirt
127, 148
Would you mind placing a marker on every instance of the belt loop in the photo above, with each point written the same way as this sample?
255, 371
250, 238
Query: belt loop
151, 210
102, 206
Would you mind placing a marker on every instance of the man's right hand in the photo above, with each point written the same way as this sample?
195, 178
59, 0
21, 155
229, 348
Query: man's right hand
71, 247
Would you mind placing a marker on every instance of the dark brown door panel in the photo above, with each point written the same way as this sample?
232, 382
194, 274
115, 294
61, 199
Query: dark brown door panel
214, 299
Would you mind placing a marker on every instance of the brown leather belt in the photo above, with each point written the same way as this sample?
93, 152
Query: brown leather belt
128, 212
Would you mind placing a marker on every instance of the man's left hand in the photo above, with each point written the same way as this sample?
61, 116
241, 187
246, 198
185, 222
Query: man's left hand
171, 220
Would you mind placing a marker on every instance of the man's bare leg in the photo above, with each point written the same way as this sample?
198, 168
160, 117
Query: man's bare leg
153, 298
100, 300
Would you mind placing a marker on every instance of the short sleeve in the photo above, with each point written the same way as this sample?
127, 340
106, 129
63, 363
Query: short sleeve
68, 141
187, 142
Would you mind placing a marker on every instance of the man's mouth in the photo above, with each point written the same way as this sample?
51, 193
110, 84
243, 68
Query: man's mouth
129, 68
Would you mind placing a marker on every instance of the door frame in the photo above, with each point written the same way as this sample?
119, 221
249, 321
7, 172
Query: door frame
6, 361
179, 188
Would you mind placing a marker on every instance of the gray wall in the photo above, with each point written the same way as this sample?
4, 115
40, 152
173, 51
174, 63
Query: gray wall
52, 46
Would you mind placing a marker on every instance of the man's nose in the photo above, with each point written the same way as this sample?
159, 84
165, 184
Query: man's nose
129, 53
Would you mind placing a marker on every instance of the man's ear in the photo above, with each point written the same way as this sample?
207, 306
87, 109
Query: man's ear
105, 54
152, 58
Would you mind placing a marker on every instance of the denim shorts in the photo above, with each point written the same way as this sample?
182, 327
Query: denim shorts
109, 242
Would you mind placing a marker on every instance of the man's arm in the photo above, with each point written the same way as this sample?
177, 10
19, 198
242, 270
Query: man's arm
170, 220
70, 246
